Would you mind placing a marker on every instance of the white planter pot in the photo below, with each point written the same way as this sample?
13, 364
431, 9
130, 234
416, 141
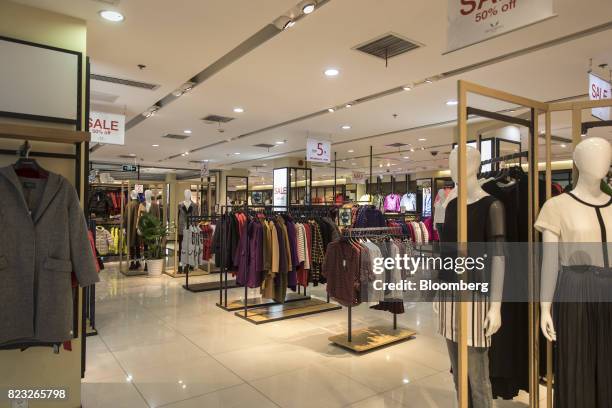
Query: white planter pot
155, 267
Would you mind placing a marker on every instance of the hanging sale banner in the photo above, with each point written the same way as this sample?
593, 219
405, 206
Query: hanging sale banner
107, 128
204, 170
318, 150
600, 89
358, 177
474, 21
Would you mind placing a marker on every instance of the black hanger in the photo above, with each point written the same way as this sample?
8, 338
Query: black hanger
26, 167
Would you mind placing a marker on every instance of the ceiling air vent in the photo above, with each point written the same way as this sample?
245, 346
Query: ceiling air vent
387, 46
264, 145
396, 145
217, 119
126, 82
102, 97
177, 137
126, 156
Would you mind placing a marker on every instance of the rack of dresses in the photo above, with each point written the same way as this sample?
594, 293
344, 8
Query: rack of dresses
199, 243
350, 260
273, 248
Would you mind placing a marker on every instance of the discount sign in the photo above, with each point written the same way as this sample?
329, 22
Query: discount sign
318, 150
473, 21
598, 90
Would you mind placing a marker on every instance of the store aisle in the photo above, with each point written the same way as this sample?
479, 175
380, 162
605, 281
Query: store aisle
160, 345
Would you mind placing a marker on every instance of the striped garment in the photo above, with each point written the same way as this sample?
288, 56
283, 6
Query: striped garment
448, 318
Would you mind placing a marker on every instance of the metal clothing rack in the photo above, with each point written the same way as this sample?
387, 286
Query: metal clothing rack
294, 210
371, 338
505, 158
205, 286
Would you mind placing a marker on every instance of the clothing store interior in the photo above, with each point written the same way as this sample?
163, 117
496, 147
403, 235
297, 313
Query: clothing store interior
200, 197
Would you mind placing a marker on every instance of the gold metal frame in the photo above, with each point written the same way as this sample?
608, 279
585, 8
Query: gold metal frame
464, 89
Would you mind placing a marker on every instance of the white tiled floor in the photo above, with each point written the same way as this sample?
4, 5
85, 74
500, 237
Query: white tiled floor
160, 345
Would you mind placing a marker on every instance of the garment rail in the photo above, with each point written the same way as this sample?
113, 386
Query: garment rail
243, 306
204, 286
371, 338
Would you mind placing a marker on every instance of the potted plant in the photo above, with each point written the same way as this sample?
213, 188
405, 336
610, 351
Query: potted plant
154, 235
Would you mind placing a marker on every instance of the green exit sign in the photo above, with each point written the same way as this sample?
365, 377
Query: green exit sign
129, 167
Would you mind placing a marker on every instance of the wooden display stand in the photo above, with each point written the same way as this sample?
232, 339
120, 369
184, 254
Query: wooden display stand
274, 313
372, 338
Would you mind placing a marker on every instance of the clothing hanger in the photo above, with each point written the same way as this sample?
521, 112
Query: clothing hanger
26, 167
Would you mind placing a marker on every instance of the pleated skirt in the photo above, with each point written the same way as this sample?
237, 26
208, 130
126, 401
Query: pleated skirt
583, 322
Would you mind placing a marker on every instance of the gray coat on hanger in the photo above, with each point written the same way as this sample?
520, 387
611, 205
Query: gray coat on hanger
44, 238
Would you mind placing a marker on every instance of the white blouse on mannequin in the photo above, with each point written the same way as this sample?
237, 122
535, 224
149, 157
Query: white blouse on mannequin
577, 225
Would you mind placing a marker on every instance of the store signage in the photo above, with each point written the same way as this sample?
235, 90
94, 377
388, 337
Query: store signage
358, 177
129, 167
600, 89
139, 188
204, 170
318, 150
107, 128
280, 189
474, 21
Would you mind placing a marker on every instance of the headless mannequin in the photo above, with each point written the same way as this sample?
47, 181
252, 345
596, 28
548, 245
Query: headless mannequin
592, 158
478, 362
148, 194
187, 203
132, 214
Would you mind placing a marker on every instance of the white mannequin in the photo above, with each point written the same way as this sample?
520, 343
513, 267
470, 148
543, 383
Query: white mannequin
592, 158
492, 321
187, 201
148, 194
134, 195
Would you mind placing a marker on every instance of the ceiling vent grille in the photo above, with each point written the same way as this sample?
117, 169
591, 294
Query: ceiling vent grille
103, 97
174, 136
217, 119
126, 156
126, 82
397, 145
264, 145
387, 46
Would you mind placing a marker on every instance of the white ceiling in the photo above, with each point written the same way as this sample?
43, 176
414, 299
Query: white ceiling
283, 79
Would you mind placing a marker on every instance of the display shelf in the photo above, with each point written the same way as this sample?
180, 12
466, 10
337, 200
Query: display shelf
42, 134
372, 338
259, 301
209, 286
274, 313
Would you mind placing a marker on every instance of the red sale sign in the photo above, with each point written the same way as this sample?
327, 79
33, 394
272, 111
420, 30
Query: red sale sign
107, 128
598, 90
474, 21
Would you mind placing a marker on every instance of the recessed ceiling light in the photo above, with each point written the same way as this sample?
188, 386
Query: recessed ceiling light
348, 105
113, 16
388, 164
264, 164
238, 109
350, 150
346, 127
422, 139
563, 145
412, 149
155, 145
354, 164
183, 154
407, 88
428, 81
187, 131
132, 154
583, 134
308, 8
380, 165
406, 157
331, 72
186, 153
280, 142
331, 110
422, 148
237, 153
290, 23
343, 160
451, 102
